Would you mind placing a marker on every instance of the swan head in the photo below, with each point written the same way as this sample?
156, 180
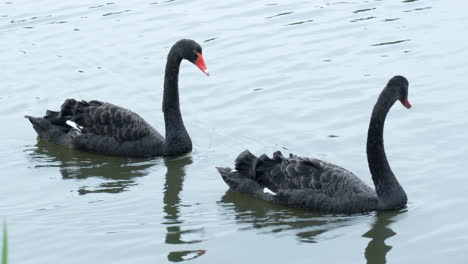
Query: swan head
400, 85
192, 51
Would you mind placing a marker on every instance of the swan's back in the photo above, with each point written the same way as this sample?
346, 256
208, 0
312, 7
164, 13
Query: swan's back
300, 182
101, 127
107, 120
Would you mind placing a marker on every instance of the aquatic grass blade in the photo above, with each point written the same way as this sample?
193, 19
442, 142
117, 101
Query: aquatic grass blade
5, 245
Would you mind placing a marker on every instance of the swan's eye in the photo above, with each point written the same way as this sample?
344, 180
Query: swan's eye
194, 51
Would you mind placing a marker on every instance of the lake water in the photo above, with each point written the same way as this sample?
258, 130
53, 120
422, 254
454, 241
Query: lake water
296, 76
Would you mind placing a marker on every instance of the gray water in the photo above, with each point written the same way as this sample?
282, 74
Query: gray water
295, 76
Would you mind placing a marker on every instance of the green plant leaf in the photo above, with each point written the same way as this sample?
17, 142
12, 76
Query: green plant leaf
5, 245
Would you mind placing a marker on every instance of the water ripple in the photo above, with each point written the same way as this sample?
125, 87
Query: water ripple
286, 76
390, 42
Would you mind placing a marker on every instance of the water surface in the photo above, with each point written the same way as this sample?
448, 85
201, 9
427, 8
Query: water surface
295, 76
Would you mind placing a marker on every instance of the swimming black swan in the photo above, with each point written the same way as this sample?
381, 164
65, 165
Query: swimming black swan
112, 130
321, 186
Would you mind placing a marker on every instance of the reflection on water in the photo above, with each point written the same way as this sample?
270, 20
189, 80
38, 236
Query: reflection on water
179, 256
174, 183
269, 217
376, 251
118, 173
307, 225
300, 72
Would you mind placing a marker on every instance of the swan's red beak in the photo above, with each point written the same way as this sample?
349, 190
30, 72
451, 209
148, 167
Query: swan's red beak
406, 103
200, 62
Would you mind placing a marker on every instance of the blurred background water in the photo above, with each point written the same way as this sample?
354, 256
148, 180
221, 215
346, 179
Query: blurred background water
296, 76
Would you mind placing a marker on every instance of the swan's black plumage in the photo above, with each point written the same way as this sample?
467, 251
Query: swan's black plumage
322, 186
112, 130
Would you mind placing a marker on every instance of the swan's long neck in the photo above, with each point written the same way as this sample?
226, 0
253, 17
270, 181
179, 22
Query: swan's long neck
391, 194
177, 139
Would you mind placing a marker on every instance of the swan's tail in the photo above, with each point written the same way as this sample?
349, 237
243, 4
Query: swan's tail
47, 130
232, 177
52, 128
247, 177
56, 126
245, 185
39, 124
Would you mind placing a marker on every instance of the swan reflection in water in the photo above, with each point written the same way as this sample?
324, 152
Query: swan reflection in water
279, 219
272, 218
376, 251
172, 203
117, 174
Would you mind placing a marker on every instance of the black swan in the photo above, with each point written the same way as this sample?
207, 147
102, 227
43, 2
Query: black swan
113, 130
324, 187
